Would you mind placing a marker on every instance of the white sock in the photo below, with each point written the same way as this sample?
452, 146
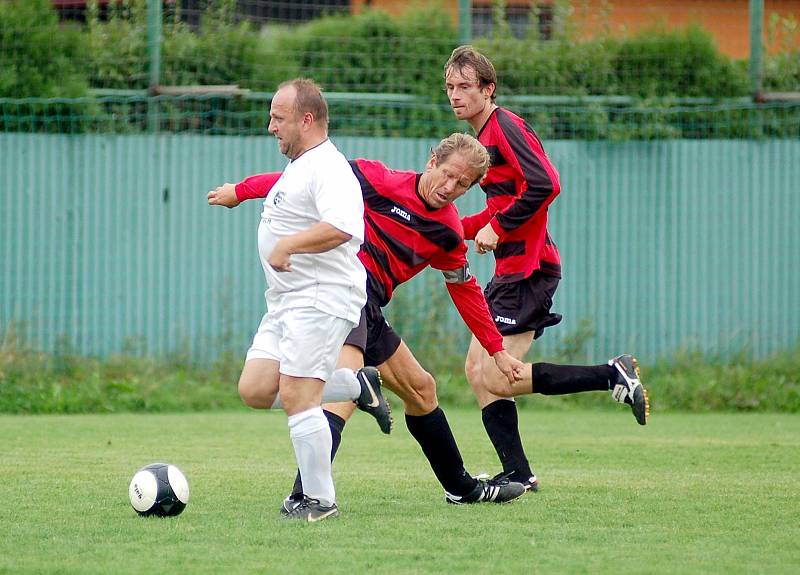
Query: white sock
312, 442
342, 385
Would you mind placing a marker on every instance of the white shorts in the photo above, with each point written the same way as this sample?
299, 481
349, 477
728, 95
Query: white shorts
305, 341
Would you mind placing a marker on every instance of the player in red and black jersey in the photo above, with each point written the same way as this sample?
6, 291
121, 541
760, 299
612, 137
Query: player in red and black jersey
520, 185
410, 224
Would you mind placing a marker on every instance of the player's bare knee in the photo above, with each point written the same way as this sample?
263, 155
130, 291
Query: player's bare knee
250, 394
249, 399
473, 370
497, 384
423, 393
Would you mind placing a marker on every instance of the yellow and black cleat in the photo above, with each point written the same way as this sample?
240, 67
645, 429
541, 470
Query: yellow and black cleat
628, 387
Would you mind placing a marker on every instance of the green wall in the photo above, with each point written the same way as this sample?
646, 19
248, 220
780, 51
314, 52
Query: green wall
107, 242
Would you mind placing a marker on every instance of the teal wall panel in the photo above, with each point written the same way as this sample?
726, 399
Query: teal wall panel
107, 242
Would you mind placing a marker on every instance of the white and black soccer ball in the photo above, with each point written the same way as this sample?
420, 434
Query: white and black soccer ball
159, 489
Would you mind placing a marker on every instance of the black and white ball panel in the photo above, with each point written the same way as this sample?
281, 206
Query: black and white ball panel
159, 489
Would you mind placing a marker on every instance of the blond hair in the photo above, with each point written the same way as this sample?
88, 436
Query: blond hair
470, 149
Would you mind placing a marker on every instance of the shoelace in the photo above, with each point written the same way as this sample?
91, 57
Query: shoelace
304, 504
500, 479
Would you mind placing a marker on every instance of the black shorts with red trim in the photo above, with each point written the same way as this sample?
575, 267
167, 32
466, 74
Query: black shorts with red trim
374, 336
523, 306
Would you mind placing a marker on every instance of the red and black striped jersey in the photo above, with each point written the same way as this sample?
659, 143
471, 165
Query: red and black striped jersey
403, 236
520, 184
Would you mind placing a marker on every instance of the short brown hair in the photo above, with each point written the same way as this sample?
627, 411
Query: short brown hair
468, 56
309, 98
471, 149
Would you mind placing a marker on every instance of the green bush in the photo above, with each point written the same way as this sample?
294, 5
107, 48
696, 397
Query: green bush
696, 382
782, 72
224, 52
685, 63
38, 57
560, 67
64, 382
377, 53
118, 48
374, 52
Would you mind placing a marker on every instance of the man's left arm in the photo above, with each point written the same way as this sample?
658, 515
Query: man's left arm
319, 238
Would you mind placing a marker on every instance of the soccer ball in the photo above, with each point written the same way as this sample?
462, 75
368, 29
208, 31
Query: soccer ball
159, 489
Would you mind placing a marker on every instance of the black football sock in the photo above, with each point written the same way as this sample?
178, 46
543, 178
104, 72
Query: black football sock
336, 424
433, 434
551, 379
502, 426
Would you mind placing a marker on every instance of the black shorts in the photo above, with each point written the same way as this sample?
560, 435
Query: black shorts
523, 306
374, 336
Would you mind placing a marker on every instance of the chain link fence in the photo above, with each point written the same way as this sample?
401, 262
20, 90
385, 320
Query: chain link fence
575, 70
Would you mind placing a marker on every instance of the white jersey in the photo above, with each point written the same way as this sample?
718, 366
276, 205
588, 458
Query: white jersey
318, 186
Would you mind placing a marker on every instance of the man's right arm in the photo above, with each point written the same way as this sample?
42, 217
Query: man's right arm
472, 224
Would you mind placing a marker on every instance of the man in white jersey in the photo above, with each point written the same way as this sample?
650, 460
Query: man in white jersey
311, 228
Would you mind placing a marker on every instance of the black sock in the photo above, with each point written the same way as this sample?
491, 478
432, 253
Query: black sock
433, 434
551, 379
336, 424
502, 426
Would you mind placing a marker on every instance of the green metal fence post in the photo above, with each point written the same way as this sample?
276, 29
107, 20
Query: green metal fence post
153, 60
464, 21
756, 29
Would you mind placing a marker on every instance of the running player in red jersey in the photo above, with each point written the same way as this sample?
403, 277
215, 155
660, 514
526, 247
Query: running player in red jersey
520, 185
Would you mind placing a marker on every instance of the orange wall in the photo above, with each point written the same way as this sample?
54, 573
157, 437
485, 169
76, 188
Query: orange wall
727, 20
396, 7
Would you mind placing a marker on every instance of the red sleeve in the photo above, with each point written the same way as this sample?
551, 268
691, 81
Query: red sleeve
473, 224
468, 296
472, 307
540, 183
257, 186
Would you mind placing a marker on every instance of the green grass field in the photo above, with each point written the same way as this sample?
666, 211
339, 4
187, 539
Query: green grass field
690, 493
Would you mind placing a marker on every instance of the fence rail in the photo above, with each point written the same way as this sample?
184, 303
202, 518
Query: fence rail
401, 116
